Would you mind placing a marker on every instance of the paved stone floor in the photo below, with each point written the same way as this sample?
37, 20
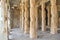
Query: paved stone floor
17, 34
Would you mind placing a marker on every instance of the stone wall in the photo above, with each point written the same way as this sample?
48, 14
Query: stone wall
15, 18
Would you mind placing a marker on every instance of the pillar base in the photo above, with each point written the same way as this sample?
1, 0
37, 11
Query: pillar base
33, 37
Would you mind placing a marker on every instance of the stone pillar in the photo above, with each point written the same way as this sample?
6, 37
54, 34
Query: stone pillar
33, 19
22, 15
43, 17
54, 17
1, 16
27, 23
9, 17
49, 16
20, 20
3, 20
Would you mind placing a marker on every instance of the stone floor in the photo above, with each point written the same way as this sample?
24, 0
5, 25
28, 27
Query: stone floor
17, 34
3, 37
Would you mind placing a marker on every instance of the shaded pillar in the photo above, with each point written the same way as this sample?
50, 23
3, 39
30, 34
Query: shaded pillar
27, 15
22, 14
54, 17
49, 16
33, 19
43, 17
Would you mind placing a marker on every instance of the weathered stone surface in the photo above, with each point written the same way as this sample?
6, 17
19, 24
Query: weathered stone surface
3, 20
27, 16
54, 18
43, 17
22, 14
33, 19
49, 15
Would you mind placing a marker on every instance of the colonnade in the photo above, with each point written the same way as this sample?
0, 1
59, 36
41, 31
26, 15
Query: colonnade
31, 26
29, 19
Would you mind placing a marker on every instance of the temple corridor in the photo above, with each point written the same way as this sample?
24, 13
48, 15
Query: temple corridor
29, 19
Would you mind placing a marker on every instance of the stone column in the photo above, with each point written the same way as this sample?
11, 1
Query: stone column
3, 20
49, 16
22, 14
33, 19
1, 17
27, 23
8, 18
43, 17
54, 17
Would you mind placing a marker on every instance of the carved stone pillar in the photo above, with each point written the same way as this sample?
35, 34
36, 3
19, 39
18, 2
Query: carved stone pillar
49, 16
43, 17
33, 19
3, 19
27, 22
22, 15
54, 17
